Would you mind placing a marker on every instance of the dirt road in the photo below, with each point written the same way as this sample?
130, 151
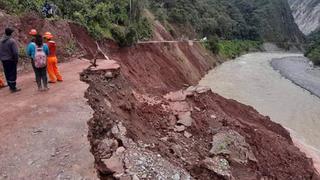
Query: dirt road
43, 135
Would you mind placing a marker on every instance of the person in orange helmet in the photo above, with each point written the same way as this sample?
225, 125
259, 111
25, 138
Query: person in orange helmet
53, 71
32, 34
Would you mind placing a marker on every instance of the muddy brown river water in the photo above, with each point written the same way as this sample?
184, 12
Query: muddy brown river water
251, 80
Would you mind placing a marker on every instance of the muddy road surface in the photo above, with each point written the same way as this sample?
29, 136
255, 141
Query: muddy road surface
251, 80
43, 135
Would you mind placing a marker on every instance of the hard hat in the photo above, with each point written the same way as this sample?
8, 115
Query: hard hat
48, 35
33, 32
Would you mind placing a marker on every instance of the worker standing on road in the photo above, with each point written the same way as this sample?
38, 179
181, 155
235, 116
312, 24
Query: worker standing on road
38, 52
53, 71
32, 34
9, 55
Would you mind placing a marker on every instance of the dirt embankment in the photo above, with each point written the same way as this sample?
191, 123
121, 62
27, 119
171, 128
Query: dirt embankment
68, 45
140, 132
204, 136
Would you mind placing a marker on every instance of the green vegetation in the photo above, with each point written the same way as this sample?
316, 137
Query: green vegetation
18, 6
232, 19
236, 20
235, 48
231, 48
313, 50
114, 19
71, 47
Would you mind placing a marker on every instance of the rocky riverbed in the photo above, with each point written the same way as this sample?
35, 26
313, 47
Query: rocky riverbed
299, 71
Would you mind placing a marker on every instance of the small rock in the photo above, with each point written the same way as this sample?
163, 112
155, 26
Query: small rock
115, 130
190, 90
176, 177
172, 120
177, 150
114, 164
119, 130
179, 128
30, 162
164, 139
213, 116
109, 74
135, 177
187, 134
198, 109
218, 165
123, 130
185, 119
120, 150
201, 89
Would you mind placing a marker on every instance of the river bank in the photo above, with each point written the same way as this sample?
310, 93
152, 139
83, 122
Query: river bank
300, 72
250, 79
138, 130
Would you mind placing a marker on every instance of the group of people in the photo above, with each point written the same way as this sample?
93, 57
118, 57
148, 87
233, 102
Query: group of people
42, 52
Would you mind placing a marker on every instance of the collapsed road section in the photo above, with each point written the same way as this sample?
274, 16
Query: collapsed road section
191, 133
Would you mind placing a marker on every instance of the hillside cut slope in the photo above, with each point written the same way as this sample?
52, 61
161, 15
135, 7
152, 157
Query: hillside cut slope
148, 125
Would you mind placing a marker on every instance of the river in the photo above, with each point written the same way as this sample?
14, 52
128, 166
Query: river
251, 80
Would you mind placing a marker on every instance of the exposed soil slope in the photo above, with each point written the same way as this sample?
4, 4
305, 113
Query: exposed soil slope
224, 139
137, 132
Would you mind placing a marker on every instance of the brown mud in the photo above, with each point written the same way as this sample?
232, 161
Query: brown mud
151, 122
202, 134
250, 145
139, 131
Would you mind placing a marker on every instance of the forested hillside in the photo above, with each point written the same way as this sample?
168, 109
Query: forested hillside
232, 19
257, 20
103, 18
313, 51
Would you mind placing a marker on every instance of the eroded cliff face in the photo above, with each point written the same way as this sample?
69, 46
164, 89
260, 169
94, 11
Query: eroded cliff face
306, 14
148, 125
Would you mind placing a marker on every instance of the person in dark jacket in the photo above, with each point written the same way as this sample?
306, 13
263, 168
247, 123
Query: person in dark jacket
9, 57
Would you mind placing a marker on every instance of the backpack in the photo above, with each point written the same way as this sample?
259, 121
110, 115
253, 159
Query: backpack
40, 58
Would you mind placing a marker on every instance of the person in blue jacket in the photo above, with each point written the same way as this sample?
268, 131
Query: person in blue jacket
41, 73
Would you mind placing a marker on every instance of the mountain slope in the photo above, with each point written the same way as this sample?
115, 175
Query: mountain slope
232, 19
306, 14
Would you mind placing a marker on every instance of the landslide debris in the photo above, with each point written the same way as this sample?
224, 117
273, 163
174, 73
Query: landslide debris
188, 134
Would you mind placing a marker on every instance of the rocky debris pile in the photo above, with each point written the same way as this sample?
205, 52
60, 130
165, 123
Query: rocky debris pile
188, 134
181, 109
133, 161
